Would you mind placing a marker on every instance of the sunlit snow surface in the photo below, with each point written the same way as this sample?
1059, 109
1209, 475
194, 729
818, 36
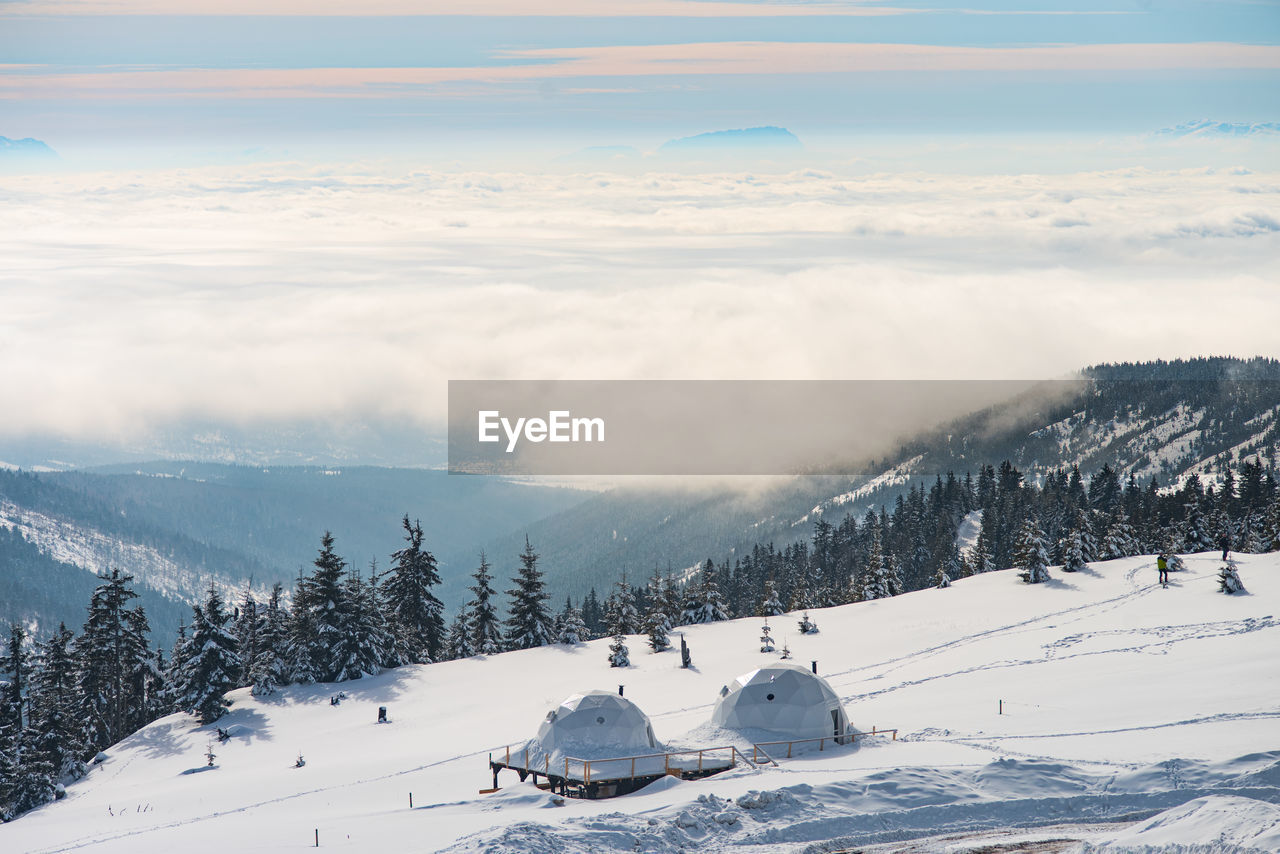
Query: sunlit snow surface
1135, 717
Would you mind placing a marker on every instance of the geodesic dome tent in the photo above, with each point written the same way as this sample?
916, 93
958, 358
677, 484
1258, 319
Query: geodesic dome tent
597, 724
784, 699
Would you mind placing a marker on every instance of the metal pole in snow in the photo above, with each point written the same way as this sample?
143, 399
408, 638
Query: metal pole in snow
411, 800
317, 837
1002, 707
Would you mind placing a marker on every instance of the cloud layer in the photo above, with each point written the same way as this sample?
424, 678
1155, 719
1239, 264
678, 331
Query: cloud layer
278, 292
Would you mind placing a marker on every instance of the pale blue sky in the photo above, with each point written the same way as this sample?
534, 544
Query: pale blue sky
81, 79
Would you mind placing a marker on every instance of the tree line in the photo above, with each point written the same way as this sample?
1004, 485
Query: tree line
70, 696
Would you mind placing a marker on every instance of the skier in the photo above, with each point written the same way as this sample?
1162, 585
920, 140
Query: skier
1163, 565
1225, 542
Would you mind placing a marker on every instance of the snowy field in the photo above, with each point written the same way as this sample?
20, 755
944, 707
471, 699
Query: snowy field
1135, 718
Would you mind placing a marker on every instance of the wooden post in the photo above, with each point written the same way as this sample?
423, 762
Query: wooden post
317, 837
633, 766
822, 743
566, 768
411, 800
699, 760
895, 735
873, 729
666, 763
1001, 711
508, 754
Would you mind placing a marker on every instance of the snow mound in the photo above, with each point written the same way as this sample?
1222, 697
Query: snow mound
1217, 824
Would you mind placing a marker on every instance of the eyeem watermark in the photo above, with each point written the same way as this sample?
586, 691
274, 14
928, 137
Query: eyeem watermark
558, 426
701, 427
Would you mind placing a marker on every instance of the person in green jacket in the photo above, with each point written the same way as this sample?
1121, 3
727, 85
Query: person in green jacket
1163, 565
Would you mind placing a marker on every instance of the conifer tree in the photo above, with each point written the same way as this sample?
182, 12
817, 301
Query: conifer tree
572, 630
1229, 577
1120, 540
1195, 530
417, 616
1030, 555
1073, 555
530, 623
111, 653
245, 627
808, 626
458, 642
619, 654
703, 603
766, 637
214, 666
52, 706
875, 581
657, 628
318, 616
486, 628
363, 640
672, 601
269, 669
625, 618
770, 605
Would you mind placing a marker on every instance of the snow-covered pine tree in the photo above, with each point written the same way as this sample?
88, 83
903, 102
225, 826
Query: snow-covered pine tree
33, 784
214, 666
944, 580
318, 614
619, 655
486, 628
13, 691
1271, 527
808, 626
770, 604
363, 638
177, 665
766, 637
980, 556
656, 627
1195, 530
572, 630
801, 593
875, 579
703, 602
416, 615
111, 654
245, 627
672, 601
1229, 577
269, 669
1030, 555
625, 617
896, 586
52, 705
458, 643
530, 622
1073, 554
1120, 540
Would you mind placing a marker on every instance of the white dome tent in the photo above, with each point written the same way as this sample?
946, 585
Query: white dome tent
783, 700
597, 724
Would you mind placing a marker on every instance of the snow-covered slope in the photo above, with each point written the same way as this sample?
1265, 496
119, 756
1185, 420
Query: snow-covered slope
1121, 701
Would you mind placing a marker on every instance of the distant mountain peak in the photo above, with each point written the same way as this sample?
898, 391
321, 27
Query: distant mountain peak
754, 139
25, 148
1211, 128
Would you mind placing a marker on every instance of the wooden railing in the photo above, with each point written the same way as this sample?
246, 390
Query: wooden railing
758, 750
599, 769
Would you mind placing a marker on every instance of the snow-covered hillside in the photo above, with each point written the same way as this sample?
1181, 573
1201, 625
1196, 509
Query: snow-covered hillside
1132, 715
